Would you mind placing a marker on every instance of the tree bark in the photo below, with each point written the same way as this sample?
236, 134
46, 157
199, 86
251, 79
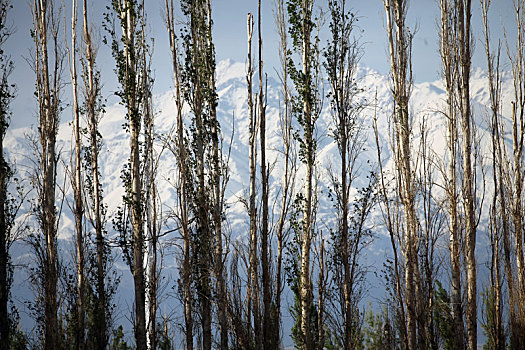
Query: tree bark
47, 95
78, 210
265, 250
448, 51
464, 39
92, 88
183, 174
400, 50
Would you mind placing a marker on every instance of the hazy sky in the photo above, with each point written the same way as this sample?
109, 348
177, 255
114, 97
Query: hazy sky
230, 41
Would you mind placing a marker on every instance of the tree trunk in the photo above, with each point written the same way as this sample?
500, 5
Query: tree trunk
77, 182
448, 53
48, 124
5, 240
464, 39
400, 46
265, 250
183, 174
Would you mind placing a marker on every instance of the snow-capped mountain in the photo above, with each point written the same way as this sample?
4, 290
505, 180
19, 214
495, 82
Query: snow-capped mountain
427, 100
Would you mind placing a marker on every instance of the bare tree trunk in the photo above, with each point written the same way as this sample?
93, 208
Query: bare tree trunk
265, 250
495, 96
5, 172
286, 132
448, 51
516, 171
48, 90
322, 296
92, 93
400, 55
464, 39
219, 176
77, 181
183, 174
392, 233
253, 287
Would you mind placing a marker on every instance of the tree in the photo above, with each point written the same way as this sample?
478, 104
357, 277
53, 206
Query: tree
130, 51
6, 173
181, 152
207, 170
449, 54
400, 41
253, 282
48, 69
493, 294
288, 152
76, 183
92, 108
341, 58
306, 109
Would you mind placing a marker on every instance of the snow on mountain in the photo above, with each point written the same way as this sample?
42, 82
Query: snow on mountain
427, 100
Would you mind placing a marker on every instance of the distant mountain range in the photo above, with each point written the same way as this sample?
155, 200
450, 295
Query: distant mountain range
427, 101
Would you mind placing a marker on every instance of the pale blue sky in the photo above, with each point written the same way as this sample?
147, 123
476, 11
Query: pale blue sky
230, 40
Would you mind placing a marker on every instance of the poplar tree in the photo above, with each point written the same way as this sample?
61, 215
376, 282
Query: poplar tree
306, 109
207, 170
48, 58
400, 44
130, 51
6, 173
92, 108
341, 58
180, 149
76, 184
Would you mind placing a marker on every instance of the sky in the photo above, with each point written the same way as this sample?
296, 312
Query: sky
230, 40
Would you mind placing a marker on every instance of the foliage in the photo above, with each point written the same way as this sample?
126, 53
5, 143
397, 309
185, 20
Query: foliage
443, 317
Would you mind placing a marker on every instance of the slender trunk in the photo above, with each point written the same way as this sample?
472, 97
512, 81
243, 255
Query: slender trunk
286, 135
322, 291
77, 181
305, 285
5, 239
218, 178
48, 123
253, 288
265, 251
129, 23
463, 32
183, 174
4, 252
401, 67
518, 127
204, 253
449, 57
92, 93
4, 229
391, 230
